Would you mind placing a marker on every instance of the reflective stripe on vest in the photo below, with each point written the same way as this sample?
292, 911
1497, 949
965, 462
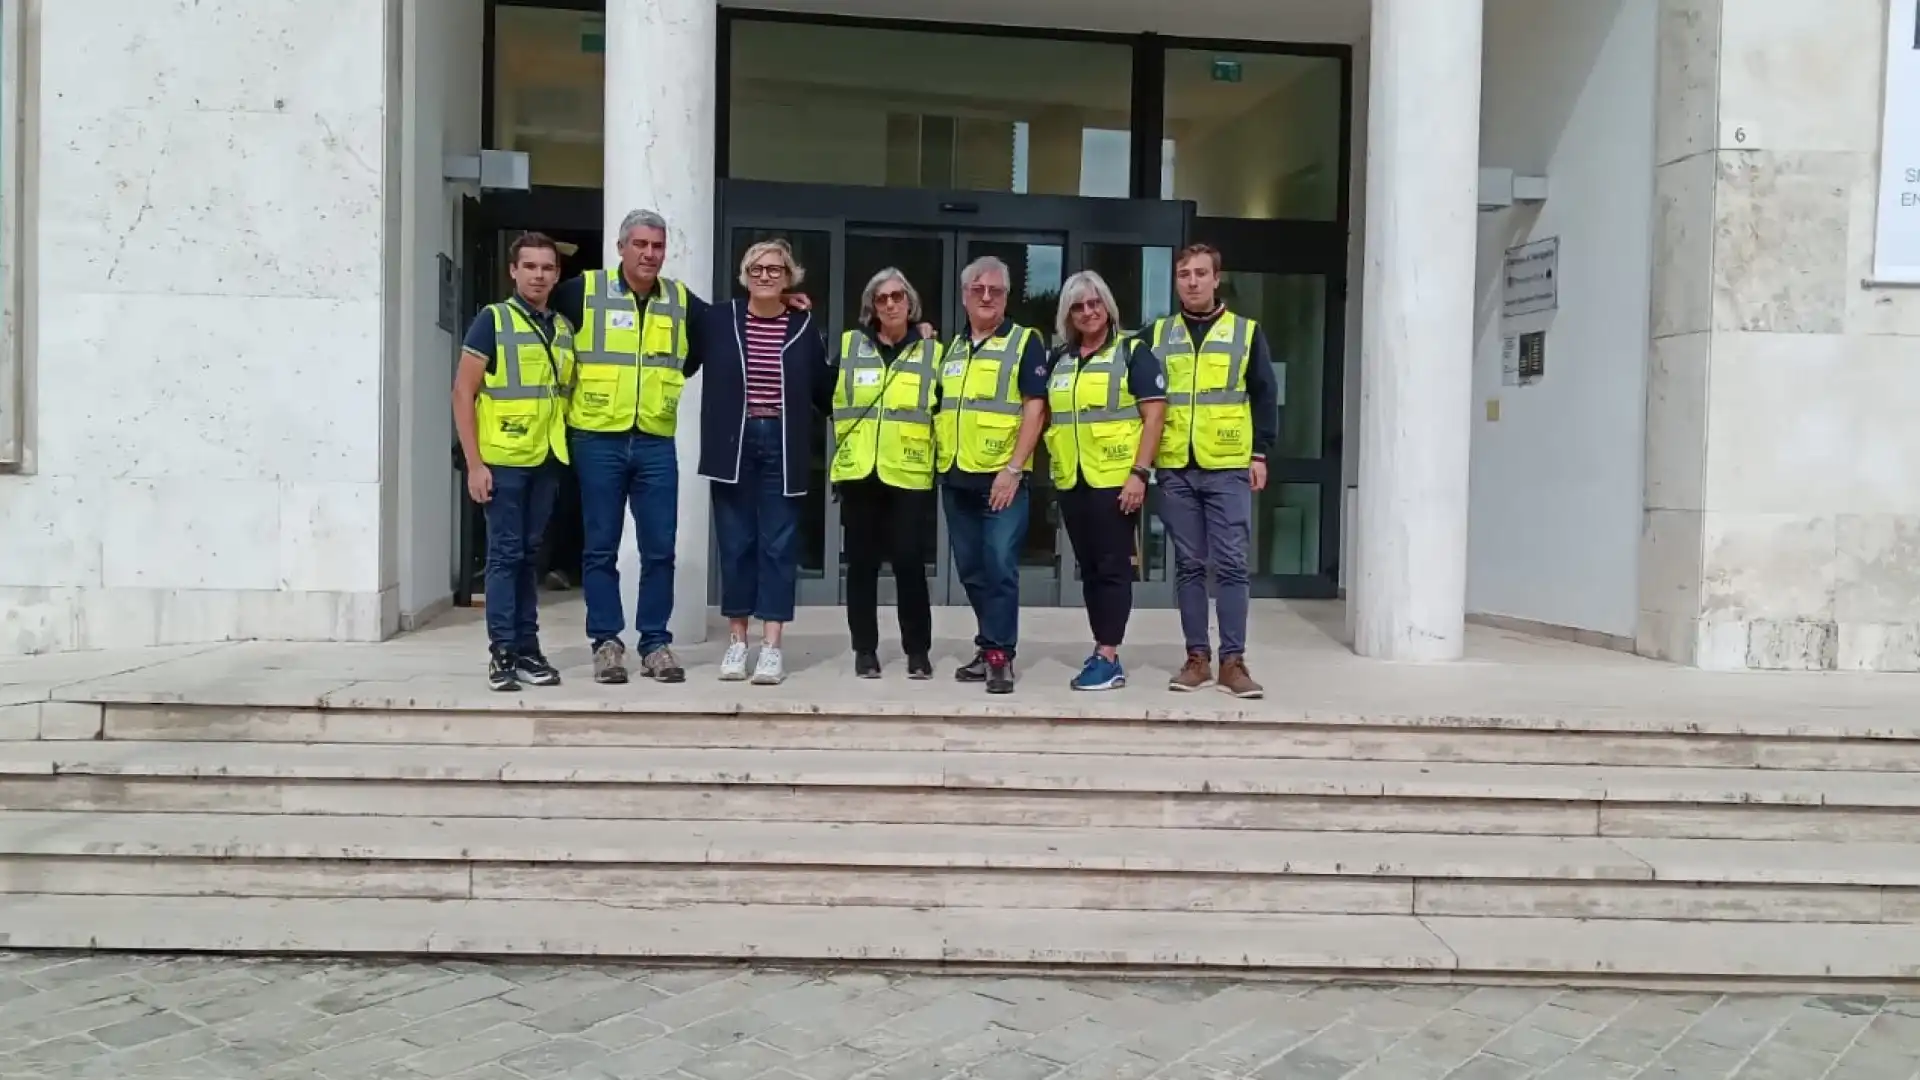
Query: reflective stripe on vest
1105, 458
876, 436
526, 369
1209, 427
629, 379
963, 438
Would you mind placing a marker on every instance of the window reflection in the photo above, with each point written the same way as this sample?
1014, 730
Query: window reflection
910, 108
1254, 135
550, 92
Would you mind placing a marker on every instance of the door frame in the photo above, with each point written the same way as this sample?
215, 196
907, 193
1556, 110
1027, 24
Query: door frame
1071, 222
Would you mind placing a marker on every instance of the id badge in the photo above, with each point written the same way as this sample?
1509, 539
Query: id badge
619, 320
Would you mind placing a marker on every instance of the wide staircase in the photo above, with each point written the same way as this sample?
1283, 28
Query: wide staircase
1443, 846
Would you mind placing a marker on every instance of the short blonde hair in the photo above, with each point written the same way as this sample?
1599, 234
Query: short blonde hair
1077, 288
795, 272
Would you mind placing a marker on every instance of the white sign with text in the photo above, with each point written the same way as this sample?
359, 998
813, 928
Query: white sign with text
1896, 240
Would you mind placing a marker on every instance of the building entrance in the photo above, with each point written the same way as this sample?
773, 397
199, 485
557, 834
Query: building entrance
842, 236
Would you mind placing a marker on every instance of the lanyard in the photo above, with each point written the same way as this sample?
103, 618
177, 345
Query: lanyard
540, 331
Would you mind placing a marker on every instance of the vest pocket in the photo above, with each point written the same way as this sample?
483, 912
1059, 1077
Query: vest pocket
660, 399
986, 440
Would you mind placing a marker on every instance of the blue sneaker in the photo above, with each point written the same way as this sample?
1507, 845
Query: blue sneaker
1100, 673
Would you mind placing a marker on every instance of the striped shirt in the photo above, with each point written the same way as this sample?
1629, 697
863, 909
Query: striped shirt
765, 339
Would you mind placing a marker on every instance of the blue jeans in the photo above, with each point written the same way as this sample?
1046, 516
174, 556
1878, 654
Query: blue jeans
986, 556
759, 531
516, 519
621, 472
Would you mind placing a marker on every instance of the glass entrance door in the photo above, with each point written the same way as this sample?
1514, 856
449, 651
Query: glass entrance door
844, 236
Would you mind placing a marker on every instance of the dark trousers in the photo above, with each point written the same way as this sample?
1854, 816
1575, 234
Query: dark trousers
561, 550
759, 526
1103, 540
986, 558
622, 473
887, 524
516, 520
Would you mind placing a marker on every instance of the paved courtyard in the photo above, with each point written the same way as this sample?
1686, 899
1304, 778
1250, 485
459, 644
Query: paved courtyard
198, 1018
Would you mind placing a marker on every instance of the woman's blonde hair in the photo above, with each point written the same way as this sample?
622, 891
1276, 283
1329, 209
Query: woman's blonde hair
1077, 288
795, 272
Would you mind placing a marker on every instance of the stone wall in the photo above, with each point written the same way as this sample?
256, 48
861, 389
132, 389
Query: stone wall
211, 343
1782, 525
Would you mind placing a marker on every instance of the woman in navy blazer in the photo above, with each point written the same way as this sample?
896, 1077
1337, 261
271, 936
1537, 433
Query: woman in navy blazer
767, 370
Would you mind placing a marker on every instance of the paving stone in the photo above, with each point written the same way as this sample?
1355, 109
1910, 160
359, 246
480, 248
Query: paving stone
217, 1019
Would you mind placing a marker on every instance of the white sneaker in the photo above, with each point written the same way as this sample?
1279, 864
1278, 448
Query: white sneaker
733, 666
769, 671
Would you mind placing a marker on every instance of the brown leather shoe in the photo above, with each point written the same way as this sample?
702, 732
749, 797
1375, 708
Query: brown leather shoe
1196, 675
1235, 680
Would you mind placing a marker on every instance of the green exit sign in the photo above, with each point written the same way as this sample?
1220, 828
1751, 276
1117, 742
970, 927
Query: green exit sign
593, 36
1226, 71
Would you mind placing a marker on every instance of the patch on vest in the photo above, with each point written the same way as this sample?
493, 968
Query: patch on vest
954, 369
619, 320
516, 426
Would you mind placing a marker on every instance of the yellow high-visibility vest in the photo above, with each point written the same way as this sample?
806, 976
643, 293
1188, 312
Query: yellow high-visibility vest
630, 360
883, 413
1209, 414
519, 413
1094, 425
979, 415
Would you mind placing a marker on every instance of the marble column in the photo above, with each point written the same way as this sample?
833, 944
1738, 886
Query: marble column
659, 156
1417, 336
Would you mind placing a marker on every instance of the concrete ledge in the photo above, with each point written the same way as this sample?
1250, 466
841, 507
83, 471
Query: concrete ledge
1622, 950
167, 723
1064, 773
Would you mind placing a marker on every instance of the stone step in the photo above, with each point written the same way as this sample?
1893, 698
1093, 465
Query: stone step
1378, 944
972, 847
1603, 741
967, 771
728, 802
668, 863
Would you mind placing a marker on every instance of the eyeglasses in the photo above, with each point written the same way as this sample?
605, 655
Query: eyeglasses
1084, 307
987, 292
889, 298
766, 271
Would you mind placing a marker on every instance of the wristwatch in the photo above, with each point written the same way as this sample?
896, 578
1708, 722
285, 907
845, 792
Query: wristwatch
1141, 474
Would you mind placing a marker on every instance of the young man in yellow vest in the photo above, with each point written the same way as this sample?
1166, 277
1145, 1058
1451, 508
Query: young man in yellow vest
1223, 417
509, 400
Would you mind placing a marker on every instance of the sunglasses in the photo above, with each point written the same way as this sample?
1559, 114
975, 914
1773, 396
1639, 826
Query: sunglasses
888, 299
987, 292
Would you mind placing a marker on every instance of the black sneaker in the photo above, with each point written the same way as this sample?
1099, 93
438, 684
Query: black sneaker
919, 667
866, 665
999, 672
974, 670
500, 672
534, 667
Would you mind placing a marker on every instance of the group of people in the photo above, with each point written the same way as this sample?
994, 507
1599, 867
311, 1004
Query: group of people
590, 373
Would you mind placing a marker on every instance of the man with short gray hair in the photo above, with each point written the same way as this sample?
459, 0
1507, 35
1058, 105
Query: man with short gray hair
993, 409
634, 360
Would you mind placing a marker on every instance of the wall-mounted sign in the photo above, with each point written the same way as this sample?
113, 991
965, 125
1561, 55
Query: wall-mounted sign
1530, 282
1529, 295
1896, 236
593, 35
1225, 70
